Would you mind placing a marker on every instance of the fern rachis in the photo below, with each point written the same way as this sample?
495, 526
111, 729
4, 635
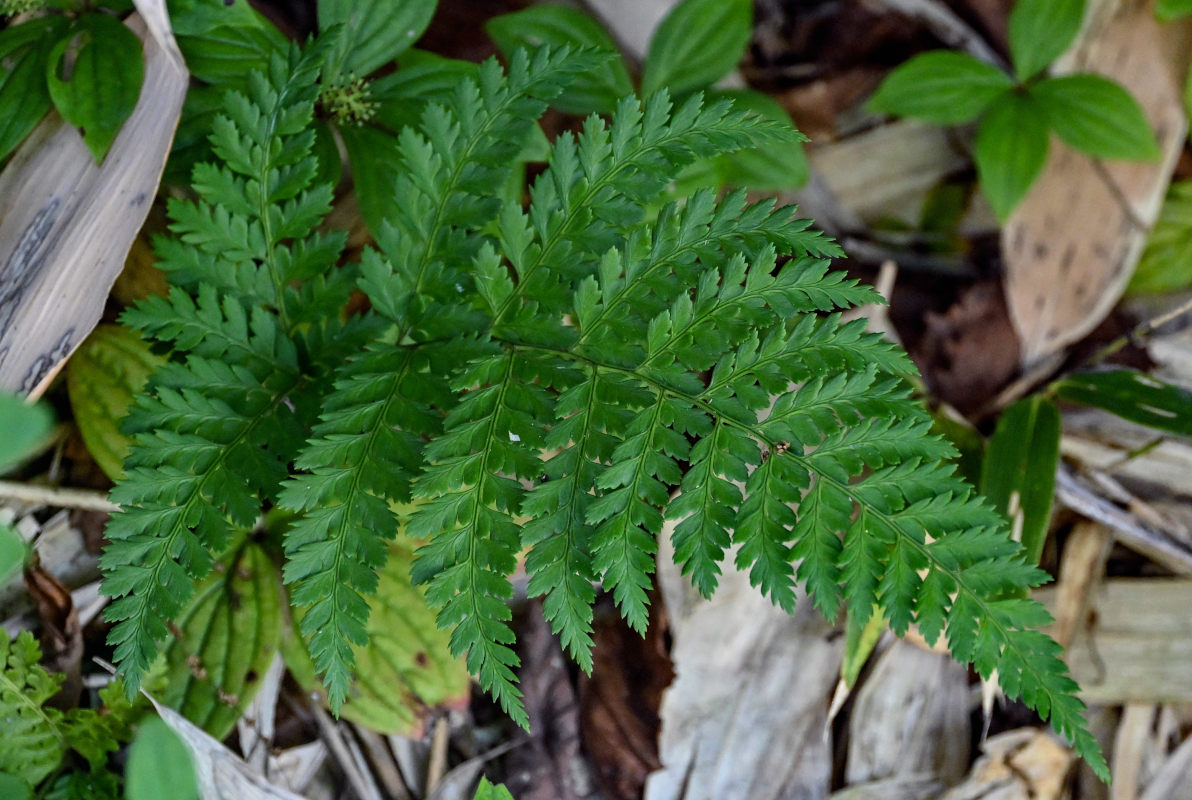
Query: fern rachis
619, 354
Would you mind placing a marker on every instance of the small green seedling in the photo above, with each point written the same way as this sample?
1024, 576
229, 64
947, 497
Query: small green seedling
1019, 112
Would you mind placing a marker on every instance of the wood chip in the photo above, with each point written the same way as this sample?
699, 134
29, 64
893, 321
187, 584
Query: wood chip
1139, 645
910, 717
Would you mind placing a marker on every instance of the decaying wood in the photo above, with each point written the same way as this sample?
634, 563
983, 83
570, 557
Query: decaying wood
1140, 535
1139, 644
66, 224
910, 717
914, 157
1025, 764
910, 788
1081, 569
62, 551
1129, 748
1103, 441
1070, 247
1173, 777
746, 717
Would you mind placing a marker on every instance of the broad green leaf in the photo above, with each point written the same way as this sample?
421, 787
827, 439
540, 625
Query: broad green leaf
594, 92
159, 765
24, 99
1011, 150
94, 76
1169, 10
1018, 474
1166, 263
13, 788
407, 668
697, 44
1131, 395
859, 641
1097, 116
375, 161
1040, 30
422, 77
487, 791
768, 167
941, 86
22, 428
223, 40
103, 378
375, 32
231, 630
13, 552
226, 54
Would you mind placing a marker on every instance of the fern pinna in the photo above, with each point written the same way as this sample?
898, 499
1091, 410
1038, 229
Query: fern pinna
562, 375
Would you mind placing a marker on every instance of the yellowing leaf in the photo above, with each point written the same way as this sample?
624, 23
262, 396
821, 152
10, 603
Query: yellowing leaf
102, 378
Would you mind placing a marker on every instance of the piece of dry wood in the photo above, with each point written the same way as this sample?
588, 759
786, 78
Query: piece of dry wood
1139, 645
910, 717
1024, 764
1173, 777
1081, 568
746, 717
1129, 746
1127, 450
66, 224
1078, 493
908, 788
631, 22
1070, 247
914, 157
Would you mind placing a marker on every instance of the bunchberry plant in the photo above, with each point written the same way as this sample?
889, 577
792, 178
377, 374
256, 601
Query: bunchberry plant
86, 65
1019, 112
559, 376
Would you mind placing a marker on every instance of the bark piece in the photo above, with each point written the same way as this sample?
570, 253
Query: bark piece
746, 718
910, 718
1139, 645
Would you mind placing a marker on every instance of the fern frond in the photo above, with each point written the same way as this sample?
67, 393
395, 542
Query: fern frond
214, 438
363, 455
34, 744
565, 376
36, 737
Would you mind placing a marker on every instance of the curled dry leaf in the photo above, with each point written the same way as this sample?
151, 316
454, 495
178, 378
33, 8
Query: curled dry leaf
66, 224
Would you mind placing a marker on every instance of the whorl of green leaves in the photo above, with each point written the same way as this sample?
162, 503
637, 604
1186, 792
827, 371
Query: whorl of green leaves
544, 376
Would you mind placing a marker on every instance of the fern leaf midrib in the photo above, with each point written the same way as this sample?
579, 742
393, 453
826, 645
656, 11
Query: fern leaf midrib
263, 208
572, 523
142, 609
353, 496
441, 207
